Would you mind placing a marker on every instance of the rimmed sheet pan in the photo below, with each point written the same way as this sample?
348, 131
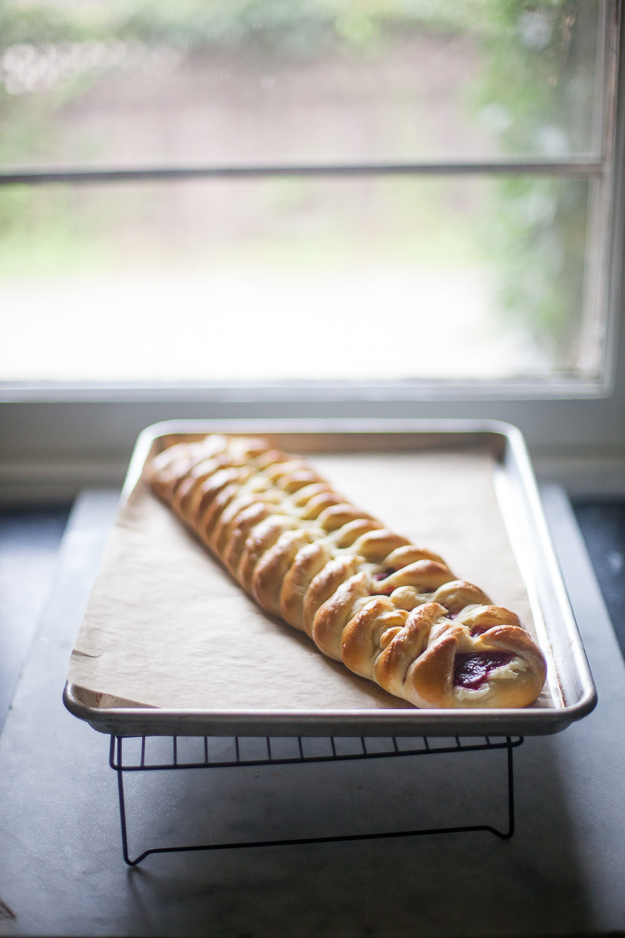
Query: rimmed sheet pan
171, 645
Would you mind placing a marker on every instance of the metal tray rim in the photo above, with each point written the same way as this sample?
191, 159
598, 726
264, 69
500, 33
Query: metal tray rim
138, 721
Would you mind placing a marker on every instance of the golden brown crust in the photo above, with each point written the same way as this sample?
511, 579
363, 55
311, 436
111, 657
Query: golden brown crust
273, 566
325, 585
391, 611
362, 637
240, 529
309, 561
376, 546
260, 539
336, 612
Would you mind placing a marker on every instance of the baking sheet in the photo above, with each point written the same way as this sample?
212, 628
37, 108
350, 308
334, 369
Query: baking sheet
167, 626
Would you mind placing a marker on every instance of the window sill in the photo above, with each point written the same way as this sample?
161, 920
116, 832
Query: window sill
306, 391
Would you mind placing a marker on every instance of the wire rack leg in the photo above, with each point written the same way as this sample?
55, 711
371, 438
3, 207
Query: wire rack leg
511, 818
122, 799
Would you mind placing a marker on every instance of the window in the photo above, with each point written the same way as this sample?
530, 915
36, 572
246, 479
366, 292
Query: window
309, 208
412, 195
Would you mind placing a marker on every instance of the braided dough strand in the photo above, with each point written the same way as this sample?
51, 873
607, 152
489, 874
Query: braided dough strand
390, 611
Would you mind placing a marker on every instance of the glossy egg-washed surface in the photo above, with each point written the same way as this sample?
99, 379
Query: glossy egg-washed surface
389, 610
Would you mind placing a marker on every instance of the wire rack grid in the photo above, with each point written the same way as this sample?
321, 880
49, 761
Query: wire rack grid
337, 750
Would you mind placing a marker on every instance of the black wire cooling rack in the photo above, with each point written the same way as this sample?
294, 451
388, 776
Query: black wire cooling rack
271, 751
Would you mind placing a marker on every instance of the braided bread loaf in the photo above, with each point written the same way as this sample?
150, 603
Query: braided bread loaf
390, 611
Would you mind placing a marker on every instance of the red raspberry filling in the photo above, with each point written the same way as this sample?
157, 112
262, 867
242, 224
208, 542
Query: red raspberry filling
382, 576
473, 670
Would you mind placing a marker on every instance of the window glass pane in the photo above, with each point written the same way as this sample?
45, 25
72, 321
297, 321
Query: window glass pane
361, 278
279, 81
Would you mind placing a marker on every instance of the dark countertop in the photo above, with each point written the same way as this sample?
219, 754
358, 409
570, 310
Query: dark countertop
62, 873
602, 524
29, 544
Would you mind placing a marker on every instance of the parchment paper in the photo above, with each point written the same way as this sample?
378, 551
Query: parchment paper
166, 626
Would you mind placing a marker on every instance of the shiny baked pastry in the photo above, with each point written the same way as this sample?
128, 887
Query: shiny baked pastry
390, 611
